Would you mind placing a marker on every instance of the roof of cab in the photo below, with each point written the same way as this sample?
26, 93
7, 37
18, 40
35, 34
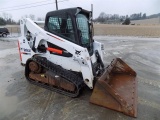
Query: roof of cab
72, 11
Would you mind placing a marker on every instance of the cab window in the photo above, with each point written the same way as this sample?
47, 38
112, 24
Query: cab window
61, 26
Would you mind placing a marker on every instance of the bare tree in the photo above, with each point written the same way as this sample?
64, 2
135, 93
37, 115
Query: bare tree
6, 16
40, 19
25, 16
102, 17
32, 16
2, 21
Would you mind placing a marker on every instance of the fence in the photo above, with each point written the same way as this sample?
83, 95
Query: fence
14, 31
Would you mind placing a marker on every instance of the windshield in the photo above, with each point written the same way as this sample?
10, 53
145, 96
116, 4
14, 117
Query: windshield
83, 26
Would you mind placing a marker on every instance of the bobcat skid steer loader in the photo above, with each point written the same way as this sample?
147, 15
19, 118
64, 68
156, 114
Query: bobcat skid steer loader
63, 57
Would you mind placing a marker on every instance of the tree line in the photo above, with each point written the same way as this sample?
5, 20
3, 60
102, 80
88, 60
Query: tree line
6, 19
116, 18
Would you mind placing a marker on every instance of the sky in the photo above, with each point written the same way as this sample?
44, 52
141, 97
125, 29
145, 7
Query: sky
19, 8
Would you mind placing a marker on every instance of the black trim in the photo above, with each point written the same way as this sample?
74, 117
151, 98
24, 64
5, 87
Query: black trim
65, 53
99, 60
33, 47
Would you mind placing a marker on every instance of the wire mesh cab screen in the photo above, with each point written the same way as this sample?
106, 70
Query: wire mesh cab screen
61, 26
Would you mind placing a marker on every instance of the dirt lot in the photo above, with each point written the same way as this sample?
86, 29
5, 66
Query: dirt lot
20, 100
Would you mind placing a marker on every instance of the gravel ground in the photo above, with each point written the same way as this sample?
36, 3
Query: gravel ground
23, 101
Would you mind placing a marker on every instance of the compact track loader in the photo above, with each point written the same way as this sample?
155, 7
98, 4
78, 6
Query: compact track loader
63, 57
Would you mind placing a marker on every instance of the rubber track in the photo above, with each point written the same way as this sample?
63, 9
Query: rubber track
58, 70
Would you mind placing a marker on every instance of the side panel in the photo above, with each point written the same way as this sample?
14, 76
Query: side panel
24, 50
65, 62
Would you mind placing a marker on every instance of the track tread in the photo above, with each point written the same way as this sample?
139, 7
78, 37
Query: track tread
69, 75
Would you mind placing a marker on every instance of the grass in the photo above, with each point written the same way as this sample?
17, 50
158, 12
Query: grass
127, 30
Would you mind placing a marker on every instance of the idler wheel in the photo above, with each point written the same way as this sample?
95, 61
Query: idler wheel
34, 67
